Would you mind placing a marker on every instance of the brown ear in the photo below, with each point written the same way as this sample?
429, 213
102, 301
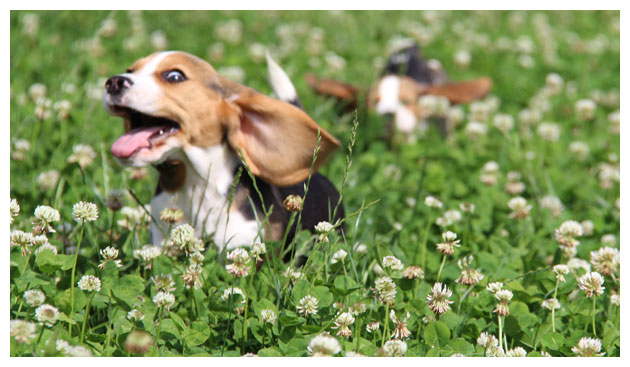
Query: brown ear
462, 92
276, 139
332, 88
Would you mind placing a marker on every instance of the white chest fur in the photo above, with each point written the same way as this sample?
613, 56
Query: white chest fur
203, 199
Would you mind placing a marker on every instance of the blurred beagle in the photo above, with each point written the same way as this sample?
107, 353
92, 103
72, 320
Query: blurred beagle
405, 79
190, 123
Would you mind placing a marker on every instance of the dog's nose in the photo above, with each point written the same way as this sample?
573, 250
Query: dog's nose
116, 84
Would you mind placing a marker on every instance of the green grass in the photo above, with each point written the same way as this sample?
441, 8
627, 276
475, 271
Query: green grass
395, 179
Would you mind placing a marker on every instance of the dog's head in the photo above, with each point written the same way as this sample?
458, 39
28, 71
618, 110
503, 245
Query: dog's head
171, 101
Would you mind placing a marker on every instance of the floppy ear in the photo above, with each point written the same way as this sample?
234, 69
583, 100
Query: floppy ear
332, 88
276, 139
462, 92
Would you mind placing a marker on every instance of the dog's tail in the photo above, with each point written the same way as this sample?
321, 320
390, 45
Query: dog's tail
281, 84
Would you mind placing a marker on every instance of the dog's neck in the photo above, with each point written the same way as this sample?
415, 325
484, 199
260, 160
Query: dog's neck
197, 182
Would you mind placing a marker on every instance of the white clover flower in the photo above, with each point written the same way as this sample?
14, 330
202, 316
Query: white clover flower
468, 276
342, 322
453, 215
230, 31
323, 345
228, 292
293, 275
494, 287
47, 315
23, 240
614, 299
158, 40
585, 109
147, 253
233, 73
554, 83
171, 215
34, 297
567, 233
79, 351
400, 331
47, 180
163, 283
553, 204
256, 51
164, 299
503, 296
606, 260
487, 340
44, 216
37, 91
450, 241
385, 289
46, 247
15, 209
588, 347
395, 348
268, 316
467, 207
90, 283
549, 131
372, 326
560, 270
412, 272
529, 117
23, 331
576, 263
360, 249
520, 208
109, 254
579, 148
475, 129
609, 240
258, 249
503, 122
323, 227
551, 304
516, 352
338, 256
438, 300
591, 283
392, 262
240, 262
587, 227
82, 154
135, 315
192, 276
183, 239
84, 212
455, 115
307, 305
462, 58
433, 202
334, 61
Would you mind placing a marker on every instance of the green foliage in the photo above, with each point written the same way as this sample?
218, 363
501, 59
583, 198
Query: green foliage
386, 182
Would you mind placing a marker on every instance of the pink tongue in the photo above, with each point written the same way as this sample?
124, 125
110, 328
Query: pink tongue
134, 140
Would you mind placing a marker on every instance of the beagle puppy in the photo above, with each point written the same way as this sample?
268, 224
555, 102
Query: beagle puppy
197, 128
406, 77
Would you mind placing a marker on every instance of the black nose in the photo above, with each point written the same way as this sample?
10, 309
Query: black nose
116, 84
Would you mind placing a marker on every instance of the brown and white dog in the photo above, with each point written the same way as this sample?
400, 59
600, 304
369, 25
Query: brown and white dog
406, 77
190, 123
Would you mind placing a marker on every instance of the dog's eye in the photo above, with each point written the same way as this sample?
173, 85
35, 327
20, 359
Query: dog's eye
173, 76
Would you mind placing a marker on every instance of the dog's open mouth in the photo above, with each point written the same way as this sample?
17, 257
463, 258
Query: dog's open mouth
145, 132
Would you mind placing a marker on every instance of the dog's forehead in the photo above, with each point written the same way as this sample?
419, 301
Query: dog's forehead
167, 59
